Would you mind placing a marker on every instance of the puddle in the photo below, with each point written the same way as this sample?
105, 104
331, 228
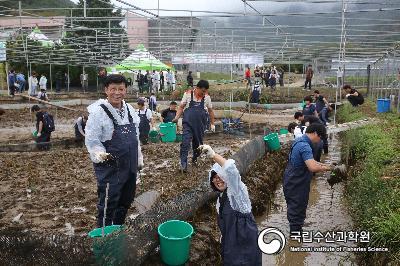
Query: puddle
326, 212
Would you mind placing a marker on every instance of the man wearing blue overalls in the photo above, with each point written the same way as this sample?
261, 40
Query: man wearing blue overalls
112, 140
146, 120
194, 106
298, 174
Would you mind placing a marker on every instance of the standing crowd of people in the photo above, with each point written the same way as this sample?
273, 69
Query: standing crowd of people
36, 85
266, 76
156, 81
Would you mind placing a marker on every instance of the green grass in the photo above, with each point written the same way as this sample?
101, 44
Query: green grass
373, 189
216, 76
348, 113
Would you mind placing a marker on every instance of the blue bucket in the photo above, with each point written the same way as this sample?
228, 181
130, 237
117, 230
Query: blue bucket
383, 105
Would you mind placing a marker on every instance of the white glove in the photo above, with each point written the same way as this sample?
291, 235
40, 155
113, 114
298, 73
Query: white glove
38, 134
140, 163
347, 95
212, 128
207, 150
100, 156
140, 159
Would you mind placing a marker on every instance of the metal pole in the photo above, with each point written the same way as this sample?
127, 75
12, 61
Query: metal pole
68, 78
51, 80
71, 20
368, 79
232, 56
109, 33
8, 83
84, 8
215, 42
97, 79
22, 35
83, 78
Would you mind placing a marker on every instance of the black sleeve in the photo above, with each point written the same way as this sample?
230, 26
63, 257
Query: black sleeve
39, 117
311, 119
164, 113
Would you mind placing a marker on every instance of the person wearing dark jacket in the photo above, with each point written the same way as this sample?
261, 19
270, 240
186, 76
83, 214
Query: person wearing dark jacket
169, 114
11, 82
307, 120
322, 107
353, 96
43, 132
189, 79
79, 126
140, 81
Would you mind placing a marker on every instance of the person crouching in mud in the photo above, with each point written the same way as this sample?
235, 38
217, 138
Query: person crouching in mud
235, 220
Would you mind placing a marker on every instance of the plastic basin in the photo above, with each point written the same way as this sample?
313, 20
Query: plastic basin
110, 249
175, 237
154, 136
168, 132
283, 131
272, 141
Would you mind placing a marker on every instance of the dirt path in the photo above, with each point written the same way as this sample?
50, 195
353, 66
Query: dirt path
54, 188
326, 212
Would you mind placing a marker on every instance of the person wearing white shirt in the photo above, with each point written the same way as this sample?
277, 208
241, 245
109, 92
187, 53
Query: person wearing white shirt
33, 83
112, 140
170, 80
43, 82
156, 81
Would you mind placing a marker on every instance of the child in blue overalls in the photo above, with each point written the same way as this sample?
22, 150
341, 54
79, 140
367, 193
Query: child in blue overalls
235, 220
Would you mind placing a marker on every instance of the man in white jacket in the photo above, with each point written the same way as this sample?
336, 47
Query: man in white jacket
112, 140
43, 82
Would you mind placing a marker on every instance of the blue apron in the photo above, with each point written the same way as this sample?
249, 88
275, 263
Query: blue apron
119, 172
170, 116
152, 105
296, 188
255, 96
239, 235
194, 124
144, 127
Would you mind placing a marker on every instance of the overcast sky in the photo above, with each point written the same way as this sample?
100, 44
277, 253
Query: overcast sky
218, 5
226, 5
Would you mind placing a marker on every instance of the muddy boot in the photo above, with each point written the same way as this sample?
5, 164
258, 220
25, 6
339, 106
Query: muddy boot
183, 169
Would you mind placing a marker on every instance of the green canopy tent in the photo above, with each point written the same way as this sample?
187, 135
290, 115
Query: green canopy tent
140, 59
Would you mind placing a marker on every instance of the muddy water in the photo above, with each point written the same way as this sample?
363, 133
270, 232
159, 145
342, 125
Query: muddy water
326, 212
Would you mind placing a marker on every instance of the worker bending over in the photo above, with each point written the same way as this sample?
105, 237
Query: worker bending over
298, 174
79, 126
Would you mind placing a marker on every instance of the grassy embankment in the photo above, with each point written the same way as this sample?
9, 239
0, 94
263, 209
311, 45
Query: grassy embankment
373, 189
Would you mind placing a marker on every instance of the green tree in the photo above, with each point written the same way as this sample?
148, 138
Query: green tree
100, 35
